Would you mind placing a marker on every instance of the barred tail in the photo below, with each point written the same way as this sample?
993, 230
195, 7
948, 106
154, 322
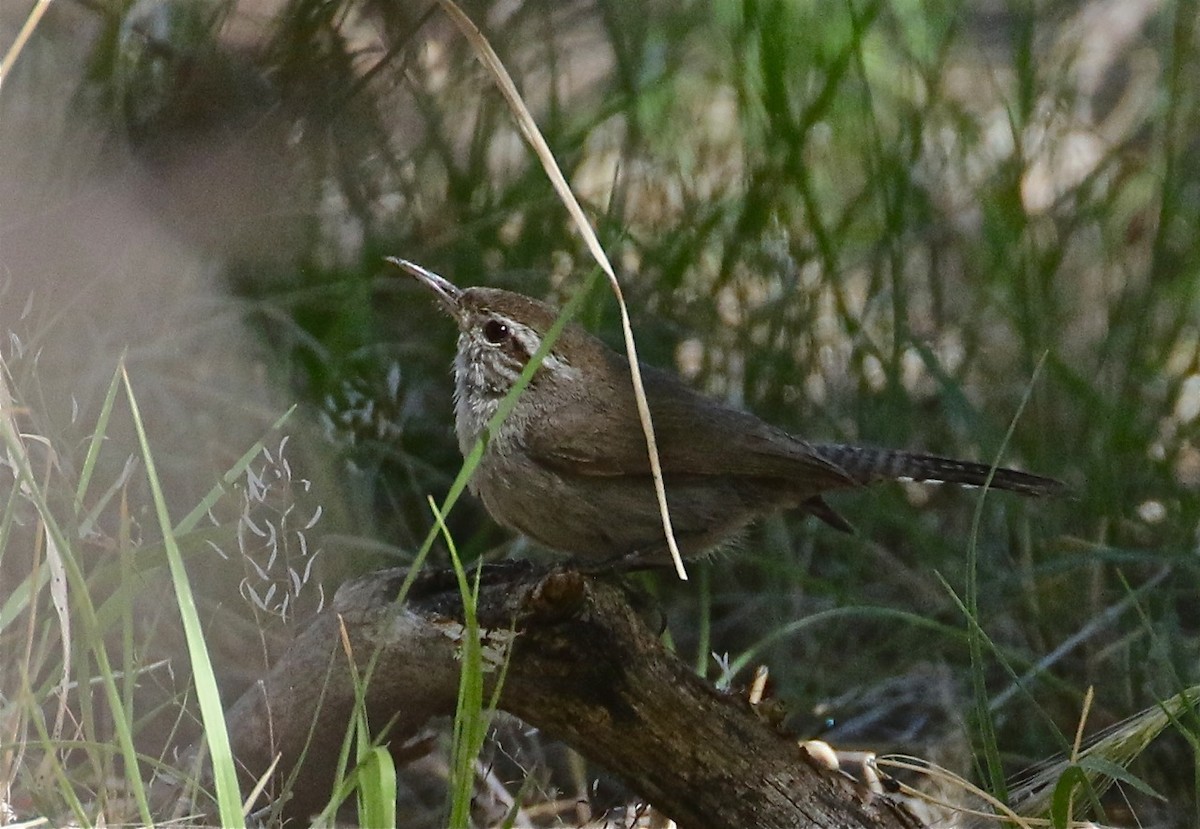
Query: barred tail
867, 466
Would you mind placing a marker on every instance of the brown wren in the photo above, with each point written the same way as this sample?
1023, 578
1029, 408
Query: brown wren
569, 469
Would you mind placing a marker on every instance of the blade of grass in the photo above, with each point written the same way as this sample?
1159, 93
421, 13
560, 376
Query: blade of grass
469, 723
97, 440
357, 737
19, 599
364, 788
31, 22
704, 636
377, 788
975, 635
260, 785
229, 799
884, 613
89, 520
232, 474
128, 648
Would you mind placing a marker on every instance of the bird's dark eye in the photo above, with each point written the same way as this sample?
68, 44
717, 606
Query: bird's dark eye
495, 332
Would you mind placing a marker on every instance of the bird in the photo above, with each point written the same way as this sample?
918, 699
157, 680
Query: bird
569, 468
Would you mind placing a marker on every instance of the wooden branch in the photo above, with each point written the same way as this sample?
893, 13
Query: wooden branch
583, 667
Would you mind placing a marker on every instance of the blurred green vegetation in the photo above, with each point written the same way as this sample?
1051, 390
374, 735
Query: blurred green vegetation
863, 221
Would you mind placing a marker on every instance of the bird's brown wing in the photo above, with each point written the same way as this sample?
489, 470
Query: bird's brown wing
600, 434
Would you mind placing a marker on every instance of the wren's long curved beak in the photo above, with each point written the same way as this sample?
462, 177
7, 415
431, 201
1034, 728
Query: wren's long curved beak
445, 290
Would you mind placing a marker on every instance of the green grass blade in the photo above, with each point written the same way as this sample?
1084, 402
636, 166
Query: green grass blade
234, 472
469, 723
993, 765
20, 597
888, 614
377, 785
1063, 799
229, 801
1104, 767
97, 441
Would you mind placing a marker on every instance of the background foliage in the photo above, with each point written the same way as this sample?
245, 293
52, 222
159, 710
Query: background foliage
864, 221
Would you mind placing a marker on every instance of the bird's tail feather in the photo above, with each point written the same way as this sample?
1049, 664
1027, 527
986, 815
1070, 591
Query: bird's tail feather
867, 465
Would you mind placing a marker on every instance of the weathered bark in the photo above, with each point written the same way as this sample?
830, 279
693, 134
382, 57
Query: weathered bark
583, 667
